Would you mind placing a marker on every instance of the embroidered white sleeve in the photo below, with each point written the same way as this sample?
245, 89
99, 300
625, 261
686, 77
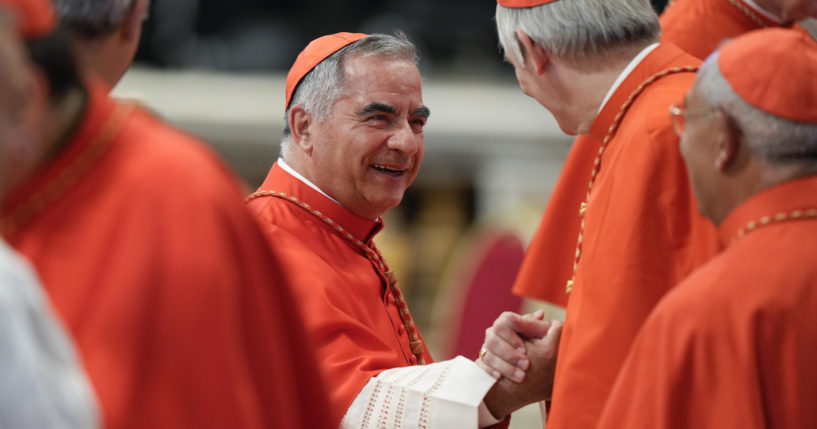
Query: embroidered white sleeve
439, 395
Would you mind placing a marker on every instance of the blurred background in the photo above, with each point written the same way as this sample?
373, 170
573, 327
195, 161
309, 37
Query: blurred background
217, 68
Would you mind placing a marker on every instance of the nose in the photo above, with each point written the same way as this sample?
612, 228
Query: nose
405, 140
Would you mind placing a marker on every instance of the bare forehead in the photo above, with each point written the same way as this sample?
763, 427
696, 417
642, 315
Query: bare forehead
371, 67
385, 80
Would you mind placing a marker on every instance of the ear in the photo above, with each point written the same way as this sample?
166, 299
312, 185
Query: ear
39, 97
300, 121
730, 141
33, 116
131, 28
532, 52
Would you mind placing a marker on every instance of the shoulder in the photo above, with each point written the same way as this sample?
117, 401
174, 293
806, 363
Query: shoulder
297, 236
154, 156
651, 109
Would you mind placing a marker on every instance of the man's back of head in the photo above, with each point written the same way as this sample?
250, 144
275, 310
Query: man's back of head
578, 31
105, 33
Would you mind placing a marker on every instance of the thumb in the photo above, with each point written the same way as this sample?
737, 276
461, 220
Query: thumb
531, 327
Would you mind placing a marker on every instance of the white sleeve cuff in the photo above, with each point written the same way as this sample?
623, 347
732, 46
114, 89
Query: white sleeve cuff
485, 417
439, 395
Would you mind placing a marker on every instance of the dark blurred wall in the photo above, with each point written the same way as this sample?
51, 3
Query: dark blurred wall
240, 35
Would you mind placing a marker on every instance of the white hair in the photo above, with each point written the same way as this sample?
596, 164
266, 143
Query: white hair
578, 30
774, 139
92, 18
321, 87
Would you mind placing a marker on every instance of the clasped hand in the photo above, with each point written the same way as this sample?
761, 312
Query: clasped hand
520, 351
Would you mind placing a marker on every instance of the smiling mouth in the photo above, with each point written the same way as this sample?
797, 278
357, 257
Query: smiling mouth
388, 170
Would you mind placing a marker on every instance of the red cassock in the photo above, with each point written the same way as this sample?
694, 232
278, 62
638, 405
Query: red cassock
349, 312
734, 345
642, 234
171, 293
699, 26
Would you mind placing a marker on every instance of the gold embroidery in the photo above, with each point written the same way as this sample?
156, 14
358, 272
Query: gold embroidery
769, 220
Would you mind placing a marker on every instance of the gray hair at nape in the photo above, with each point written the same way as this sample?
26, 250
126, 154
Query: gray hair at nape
321, 87
776, 140
579, 31
93, 18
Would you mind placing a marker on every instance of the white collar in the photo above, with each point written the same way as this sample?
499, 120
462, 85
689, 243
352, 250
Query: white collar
626, 72
284, 166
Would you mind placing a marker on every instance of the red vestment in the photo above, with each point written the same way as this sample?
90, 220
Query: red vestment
699, 26
734, 345
164, 280
642, 234
548, 262
349, 312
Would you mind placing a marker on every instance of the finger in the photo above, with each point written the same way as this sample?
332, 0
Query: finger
492, 372
530, 326
538, 314
505, 328
502, 367
554, 332
504, 351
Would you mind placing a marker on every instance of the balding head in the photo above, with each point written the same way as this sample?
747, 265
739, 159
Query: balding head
750, 119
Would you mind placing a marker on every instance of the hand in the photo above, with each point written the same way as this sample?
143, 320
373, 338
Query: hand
505, 344
506, 396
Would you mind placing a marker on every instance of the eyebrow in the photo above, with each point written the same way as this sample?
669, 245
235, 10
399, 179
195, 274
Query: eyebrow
422, 111
378, 107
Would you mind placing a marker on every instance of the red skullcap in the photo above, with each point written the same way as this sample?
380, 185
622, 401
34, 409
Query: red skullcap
32, 18
774, 70
315, 52
516, 4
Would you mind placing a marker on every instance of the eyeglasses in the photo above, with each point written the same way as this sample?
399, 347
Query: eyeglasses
679, 114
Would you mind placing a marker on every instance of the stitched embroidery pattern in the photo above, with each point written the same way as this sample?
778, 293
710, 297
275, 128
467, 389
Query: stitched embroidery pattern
385, 409
367, 415
425, 408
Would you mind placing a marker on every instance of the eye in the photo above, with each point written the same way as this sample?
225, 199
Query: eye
417, 124
378, 118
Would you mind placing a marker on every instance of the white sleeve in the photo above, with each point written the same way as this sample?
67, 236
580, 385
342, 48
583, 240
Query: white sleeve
44, 385
439, 395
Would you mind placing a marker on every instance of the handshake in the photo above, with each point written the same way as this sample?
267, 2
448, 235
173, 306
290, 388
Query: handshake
520, 351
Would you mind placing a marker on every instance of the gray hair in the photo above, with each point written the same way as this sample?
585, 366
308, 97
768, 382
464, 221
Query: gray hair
321, 87
776, 140
93, 18
579, 30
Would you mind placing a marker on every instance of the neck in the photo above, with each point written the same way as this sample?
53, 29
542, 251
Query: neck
586, 86
60, 120
102, 56
759, 176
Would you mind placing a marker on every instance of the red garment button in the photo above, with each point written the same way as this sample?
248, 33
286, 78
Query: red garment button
399, 330
413, 360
